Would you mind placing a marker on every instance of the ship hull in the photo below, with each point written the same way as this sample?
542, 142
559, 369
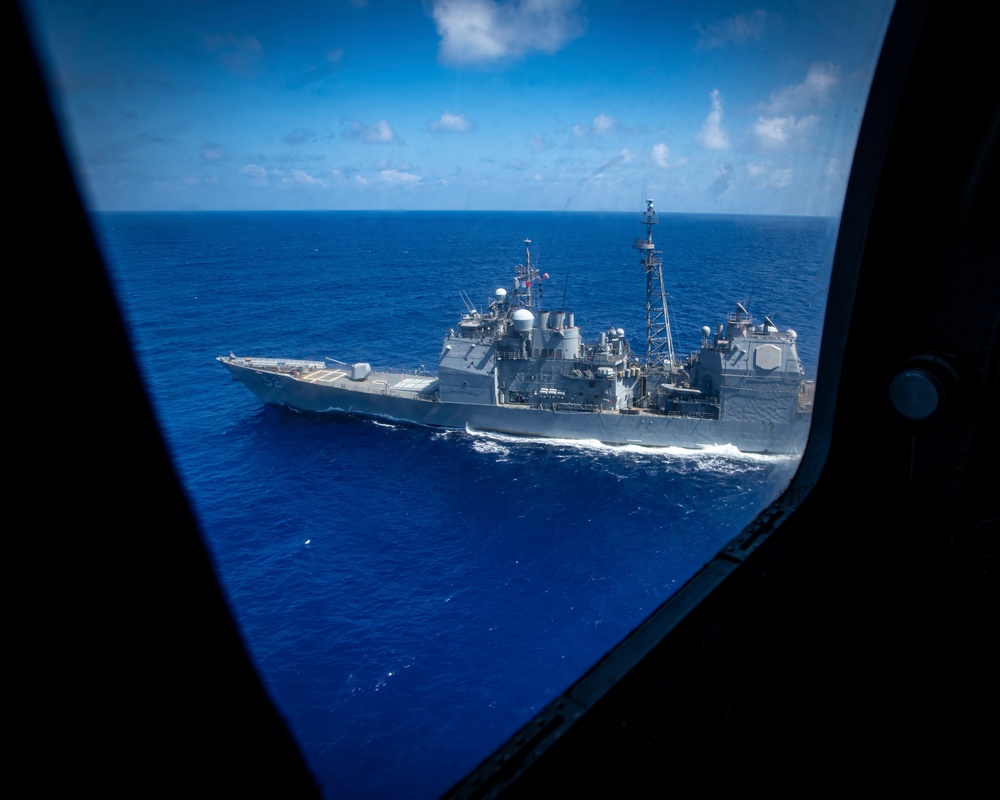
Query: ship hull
412, 399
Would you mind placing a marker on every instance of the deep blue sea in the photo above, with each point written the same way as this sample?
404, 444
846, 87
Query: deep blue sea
412, 597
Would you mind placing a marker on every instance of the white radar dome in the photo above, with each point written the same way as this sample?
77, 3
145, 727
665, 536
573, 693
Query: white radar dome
620, 332
523, 320
500, 294
706, 331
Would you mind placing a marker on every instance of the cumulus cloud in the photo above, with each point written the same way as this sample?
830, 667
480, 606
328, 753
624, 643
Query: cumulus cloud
452, 123
734, 30
659, 154
766, 175
302, 177
783, 133
379, 133
348, 177
812, 93
601, 126
261, 176
789, 119
712, 136
490, 31
398, 178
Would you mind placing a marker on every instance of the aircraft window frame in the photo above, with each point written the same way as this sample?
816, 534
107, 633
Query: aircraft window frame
553, 722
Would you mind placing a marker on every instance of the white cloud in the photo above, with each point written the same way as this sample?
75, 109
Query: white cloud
601, 126
397, 178
783, 133
348, 176
764, 175
487, 31
452, 123
379, 133
303, 177
813, 92
712, 136
261, 177
659, 154
736, 30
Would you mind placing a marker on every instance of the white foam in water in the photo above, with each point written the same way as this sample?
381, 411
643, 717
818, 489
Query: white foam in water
707, 452
492, 448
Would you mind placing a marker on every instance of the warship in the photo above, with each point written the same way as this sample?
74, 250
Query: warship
520, 369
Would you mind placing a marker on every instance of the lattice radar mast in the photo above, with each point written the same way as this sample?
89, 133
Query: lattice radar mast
659, 345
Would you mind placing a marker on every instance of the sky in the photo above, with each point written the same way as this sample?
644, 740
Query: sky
555, 105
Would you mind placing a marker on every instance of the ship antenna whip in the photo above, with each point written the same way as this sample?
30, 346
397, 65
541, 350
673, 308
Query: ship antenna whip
659, 343
525, 274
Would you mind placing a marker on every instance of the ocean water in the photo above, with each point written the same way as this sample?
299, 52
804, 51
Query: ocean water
412, 597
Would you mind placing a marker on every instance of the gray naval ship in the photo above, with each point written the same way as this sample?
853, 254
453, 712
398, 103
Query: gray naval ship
520, 369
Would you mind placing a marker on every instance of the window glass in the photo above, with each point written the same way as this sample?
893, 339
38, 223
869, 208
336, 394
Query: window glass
346, 183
